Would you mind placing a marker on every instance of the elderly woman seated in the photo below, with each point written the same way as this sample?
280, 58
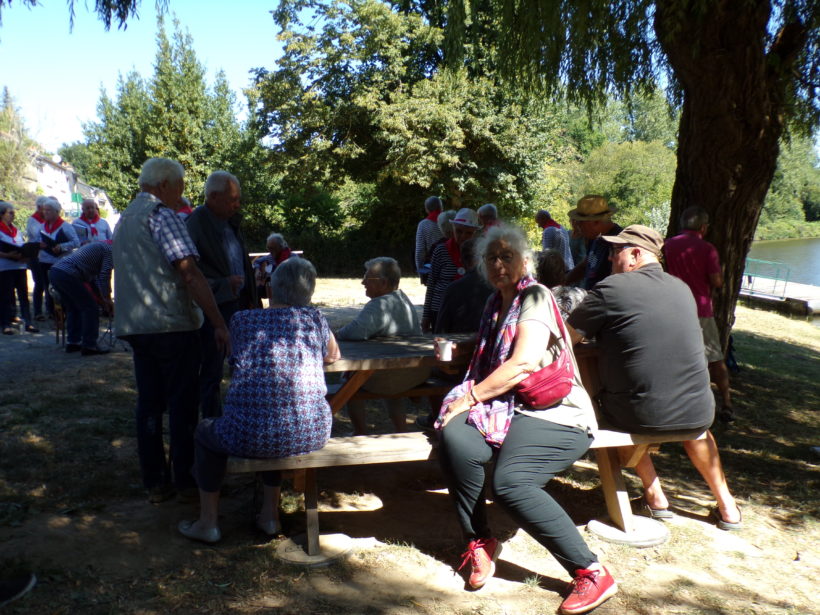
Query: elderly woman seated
486, 417
388, 313
551, 272
275, 406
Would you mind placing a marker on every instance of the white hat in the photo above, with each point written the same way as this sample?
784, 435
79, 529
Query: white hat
466, 217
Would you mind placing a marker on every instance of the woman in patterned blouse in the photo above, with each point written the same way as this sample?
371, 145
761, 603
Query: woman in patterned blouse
275, 406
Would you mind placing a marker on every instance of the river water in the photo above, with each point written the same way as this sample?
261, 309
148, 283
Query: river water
801, 255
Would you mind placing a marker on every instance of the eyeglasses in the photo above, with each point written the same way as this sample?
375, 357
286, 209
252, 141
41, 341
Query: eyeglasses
504, 257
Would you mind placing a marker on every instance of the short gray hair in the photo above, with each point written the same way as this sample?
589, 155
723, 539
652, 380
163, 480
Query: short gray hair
293, 282
445, 220
5, 206
53, 203
218, 182
693, 218
385, 267
433, 203
157, 170
503, 232
488, 210
40, 200
278, 238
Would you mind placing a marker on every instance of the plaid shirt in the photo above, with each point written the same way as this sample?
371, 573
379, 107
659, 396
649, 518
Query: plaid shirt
169, 232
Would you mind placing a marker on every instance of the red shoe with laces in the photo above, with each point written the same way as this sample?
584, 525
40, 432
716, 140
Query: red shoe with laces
481, 553
589, 589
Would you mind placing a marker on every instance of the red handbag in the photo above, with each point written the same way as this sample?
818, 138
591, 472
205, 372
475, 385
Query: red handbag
552, 383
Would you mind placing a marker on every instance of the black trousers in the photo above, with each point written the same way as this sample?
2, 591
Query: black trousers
533, 452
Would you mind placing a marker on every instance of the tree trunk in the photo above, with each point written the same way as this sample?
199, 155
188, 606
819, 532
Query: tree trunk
731, 122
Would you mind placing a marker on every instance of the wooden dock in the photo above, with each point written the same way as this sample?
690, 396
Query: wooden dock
791, 297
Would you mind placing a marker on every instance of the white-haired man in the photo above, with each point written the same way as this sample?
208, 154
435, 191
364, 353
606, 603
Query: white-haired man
652, 365
223, 259
488, 215
158, 287
388, 313
90, 226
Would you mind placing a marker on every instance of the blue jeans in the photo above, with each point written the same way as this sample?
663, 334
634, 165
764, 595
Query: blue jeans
82, 314
166, 368
213, 364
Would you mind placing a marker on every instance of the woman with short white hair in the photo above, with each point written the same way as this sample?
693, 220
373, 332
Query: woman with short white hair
275, 405
57, 238
12, 272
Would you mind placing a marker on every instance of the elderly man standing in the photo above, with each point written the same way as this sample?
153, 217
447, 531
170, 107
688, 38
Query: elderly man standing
428, 235
90, 226
223, 259
388, 313
695, 261
265, 265
158, 287
488, 215
653, 370
594, 217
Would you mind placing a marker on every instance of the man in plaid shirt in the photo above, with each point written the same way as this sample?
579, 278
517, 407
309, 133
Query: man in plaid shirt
160, 295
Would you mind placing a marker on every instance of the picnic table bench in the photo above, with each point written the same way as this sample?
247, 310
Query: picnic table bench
362, 358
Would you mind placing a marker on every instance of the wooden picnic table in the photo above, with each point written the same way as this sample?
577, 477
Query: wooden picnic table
361, 359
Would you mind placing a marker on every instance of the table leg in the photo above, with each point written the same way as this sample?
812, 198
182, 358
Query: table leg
312, 511
612, 482
349, 389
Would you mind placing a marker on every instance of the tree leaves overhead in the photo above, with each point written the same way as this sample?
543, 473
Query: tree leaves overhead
14, 147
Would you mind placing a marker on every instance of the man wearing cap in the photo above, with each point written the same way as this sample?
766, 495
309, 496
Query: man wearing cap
594, 217
446, 265
651, 363
428, 234
695, 261
554, 237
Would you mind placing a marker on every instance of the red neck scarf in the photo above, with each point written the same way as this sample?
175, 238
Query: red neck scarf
186, 210
51, 227
455, 256
10, 231
91, 222
433, 216
38, 216
283, 256
551, 223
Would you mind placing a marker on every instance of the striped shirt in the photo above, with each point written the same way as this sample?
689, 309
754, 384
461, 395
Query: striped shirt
442, 272
427, 234
91, 263
169, 232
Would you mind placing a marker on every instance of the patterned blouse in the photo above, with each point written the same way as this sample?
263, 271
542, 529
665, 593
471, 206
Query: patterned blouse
275, 406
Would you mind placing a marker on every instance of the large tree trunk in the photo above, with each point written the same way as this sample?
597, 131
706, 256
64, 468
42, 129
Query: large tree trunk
731, 122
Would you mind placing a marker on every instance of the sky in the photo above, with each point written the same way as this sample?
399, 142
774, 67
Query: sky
55, 74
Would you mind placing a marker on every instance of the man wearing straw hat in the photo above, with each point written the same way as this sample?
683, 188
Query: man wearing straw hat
594, 217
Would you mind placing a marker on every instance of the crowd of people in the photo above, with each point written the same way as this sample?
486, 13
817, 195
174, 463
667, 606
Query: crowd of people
187, 299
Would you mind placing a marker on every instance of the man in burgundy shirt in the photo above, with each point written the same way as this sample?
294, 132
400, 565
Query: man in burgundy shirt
695, 261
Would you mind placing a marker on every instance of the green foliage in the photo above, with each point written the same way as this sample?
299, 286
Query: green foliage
636, 177
793, 195
174, 114
14, 146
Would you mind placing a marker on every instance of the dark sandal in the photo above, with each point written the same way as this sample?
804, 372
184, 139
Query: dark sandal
640, 507
726, 525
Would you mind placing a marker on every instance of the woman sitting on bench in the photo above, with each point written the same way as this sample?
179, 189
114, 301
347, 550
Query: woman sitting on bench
484, 418
275, 405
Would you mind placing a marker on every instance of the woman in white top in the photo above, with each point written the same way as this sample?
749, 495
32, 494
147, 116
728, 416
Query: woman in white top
57, 238
12, 272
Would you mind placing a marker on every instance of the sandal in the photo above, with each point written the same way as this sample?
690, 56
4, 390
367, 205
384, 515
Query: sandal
726, 525
640, 507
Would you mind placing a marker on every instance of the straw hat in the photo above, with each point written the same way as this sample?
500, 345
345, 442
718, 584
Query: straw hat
592, 207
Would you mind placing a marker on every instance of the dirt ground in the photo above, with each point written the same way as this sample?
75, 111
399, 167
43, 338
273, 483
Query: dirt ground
116, 553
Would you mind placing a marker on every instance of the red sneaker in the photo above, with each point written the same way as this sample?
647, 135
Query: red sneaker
481, 554
590, 588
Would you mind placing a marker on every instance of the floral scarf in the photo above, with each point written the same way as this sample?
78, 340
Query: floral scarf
491, 417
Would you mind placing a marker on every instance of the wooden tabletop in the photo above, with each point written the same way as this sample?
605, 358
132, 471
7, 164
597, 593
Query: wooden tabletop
395, 353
